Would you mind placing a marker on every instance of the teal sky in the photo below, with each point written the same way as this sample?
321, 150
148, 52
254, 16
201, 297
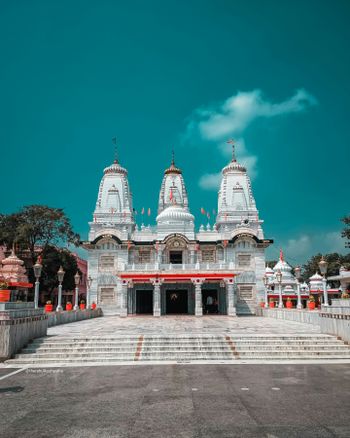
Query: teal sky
183, 74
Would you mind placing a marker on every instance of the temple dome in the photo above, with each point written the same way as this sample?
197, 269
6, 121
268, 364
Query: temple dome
316, 282
233, 165
175, 213
115, 167
172, 168
13, 269
316, 277
269, 271
282, 266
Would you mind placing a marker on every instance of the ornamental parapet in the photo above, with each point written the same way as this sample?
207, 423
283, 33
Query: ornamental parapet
184, 267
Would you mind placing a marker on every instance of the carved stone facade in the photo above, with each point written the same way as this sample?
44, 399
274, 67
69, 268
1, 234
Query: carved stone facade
171, 268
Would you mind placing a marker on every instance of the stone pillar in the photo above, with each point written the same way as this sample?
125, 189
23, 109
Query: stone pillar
124, 299
159, 256
230, 297
198, 309
192, 256
156, 297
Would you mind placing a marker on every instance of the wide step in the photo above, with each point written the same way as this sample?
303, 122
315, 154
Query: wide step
178, 348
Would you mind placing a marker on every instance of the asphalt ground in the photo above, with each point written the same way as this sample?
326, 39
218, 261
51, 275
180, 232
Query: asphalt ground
176, 401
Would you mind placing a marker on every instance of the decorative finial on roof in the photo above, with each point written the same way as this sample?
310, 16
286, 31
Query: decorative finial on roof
172, 168
114, 141
281, 255
232, 142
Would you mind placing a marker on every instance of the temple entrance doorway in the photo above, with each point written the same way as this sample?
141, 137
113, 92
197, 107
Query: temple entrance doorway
175, 257
144, 302
210, 301
176, 302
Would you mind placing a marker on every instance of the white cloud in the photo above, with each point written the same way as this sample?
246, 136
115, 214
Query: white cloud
216, 123
298, 250
210, 181
237, 112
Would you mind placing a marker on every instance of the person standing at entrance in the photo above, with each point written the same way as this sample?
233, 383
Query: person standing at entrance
209, 304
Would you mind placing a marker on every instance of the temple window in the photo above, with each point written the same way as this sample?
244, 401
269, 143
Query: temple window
106, 295
244, 260
208, 255
245, 292
144, 256
107, 262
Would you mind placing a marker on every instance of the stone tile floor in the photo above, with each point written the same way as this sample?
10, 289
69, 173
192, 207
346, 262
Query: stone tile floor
114, 325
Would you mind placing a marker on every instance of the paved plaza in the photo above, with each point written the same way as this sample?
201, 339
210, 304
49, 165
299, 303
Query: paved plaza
177, 401
113, 325
180, 400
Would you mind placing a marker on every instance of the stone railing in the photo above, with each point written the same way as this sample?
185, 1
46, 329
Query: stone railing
333, 320
146, 267
19, 324
304, 315
66, 317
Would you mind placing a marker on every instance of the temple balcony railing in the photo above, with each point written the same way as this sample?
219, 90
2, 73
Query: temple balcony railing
171, 267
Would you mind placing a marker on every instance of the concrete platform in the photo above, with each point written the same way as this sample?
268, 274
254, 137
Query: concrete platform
114, 325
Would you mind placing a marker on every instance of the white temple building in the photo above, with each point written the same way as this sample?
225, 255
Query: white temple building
170, 267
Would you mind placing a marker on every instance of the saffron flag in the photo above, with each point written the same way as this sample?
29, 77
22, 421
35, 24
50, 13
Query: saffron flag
281, 255
143, 210
202, 210
149, 212
171, 196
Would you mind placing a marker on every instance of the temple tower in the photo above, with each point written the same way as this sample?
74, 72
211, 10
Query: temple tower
114, 203
236, 203
173, 210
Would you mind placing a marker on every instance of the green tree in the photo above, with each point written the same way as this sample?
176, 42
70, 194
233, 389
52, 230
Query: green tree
52, 259
271, 263
36, 226
334, 260
346, 230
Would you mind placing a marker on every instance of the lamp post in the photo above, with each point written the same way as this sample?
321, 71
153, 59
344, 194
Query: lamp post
297, 272
266, 283
76, 281
279, 281
323, 269
88, 283
60, 275
37, 273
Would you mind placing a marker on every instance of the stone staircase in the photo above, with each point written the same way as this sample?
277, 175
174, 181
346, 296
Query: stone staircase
61, 350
